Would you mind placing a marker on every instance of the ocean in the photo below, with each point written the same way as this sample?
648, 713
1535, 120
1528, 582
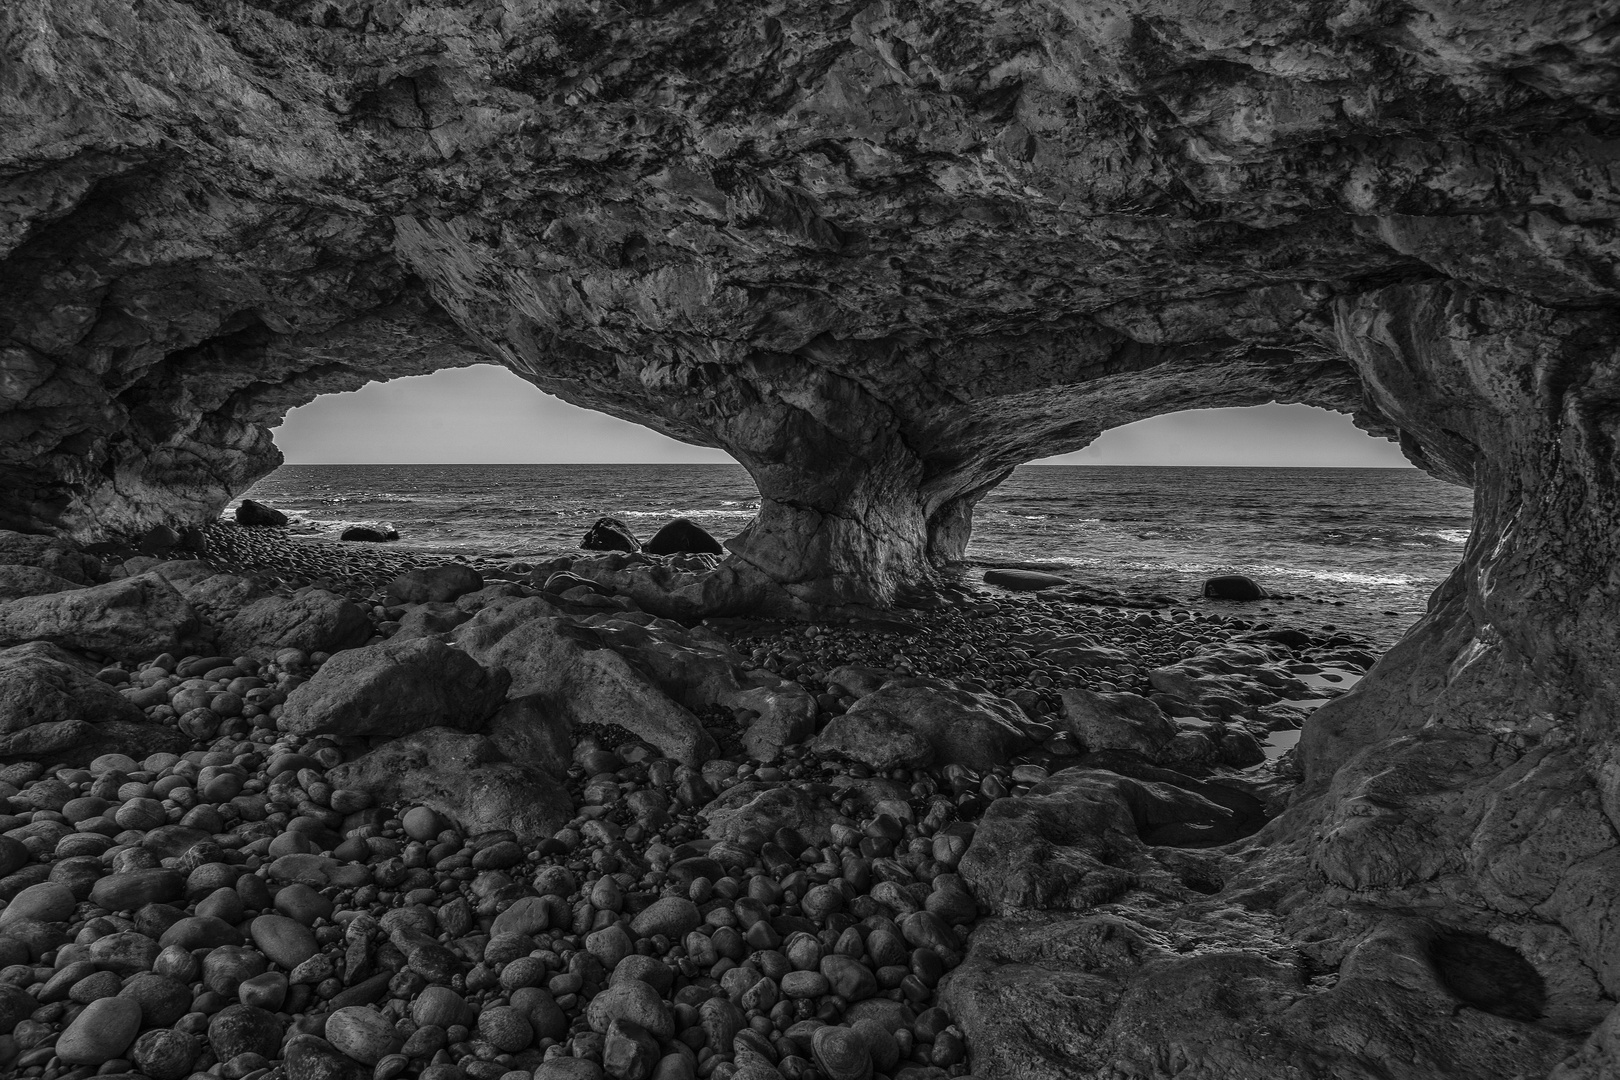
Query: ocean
1376, 540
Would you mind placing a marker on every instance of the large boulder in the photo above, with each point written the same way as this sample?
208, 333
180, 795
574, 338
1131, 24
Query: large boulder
256, 514
394, 688
1118, 721
47, 553
246, 620
580, 678
1234, 587
1024, 580
133, 618
17, 581
959, 726
811, 809
464, 777
683, 537
531, 731
377, 533
49, 703
1075, 840
609, 534
433, 584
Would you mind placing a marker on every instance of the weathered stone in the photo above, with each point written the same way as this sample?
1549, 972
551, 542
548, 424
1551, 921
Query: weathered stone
917, 721
580, 678
253, 513
1118, 721
464, 777
19, 581
48, 703
132, 618
609, 534
683, 537
394, 688
433, 584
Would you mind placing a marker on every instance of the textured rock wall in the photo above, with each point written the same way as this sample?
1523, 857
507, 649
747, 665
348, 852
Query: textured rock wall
881, 254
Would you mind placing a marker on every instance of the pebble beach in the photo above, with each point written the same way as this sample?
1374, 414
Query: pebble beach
367, 815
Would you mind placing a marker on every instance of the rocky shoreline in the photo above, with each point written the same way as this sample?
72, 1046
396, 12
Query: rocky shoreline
315, 810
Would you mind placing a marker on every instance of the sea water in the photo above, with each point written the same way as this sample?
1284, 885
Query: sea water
1373, 538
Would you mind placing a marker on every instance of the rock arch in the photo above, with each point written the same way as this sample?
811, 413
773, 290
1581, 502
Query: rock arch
882, 254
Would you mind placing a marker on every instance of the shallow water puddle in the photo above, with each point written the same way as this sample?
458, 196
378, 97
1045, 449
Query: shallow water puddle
1329, 679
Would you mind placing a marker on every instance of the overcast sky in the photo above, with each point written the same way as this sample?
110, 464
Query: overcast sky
486, 414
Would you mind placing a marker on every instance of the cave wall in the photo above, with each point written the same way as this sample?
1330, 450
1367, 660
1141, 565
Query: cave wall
913, 244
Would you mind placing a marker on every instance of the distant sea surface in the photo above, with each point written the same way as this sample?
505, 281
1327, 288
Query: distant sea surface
1374, 538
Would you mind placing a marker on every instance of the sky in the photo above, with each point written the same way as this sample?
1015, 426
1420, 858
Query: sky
487, 415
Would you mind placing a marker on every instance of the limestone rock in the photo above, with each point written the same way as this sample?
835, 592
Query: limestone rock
51, 555
908, 716
580, 678
464, 777
433, 584
1075, 841
49, 704
1118, 721
19, 581
1024, 580
394, 688
133, 618
529, 730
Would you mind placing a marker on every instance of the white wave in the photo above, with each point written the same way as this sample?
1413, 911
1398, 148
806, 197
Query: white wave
685, 513
1450, 536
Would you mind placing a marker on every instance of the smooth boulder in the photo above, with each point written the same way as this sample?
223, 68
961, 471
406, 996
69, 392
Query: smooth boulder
890, 726
1234, 587
683, 537
256, 514
394, 688
1118, 721
609, 534
48, 553
371, 534
1024, 580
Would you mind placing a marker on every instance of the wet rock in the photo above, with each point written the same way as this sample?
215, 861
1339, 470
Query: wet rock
371, 534
683, 537
253, 514
810, 809
1234, 587
132, 618
609, 534
464, 777
394, 688
1024, 580
581, 679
